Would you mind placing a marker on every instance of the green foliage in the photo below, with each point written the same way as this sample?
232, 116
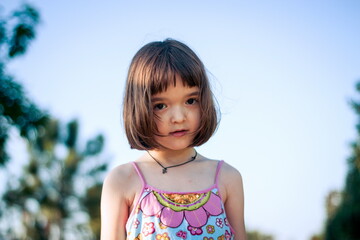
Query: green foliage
60, 187
57, 195
317, 237
16, 40
256, 235
16, 110
344, 224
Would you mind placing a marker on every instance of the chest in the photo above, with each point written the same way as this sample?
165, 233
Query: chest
185, 179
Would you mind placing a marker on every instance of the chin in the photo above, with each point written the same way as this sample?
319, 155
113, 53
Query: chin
175, 144
175, 147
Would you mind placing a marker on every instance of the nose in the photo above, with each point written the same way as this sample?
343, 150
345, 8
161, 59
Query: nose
178, 115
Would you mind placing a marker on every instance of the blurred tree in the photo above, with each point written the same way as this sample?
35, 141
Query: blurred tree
344, 222
16, 110
317, 237
333, 200
58, 194
256, 235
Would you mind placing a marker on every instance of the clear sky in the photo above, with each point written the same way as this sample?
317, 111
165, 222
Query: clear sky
282, 71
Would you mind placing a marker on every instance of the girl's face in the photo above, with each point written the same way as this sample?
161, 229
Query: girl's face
178, 115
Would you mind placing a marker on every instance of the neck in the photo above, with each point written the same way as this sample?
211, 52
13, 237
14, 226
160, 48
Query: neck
171, 157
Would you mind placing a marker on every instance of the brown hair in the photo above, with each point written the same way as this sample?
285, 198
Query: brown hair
152, 69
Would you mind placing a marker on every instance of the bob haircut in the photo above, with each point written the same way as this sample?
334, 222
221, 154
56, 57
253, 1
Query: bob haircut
152, 69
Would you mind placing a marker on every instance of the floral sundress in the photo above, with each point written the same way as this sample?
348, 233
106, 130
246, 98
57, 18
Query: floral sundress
164, 215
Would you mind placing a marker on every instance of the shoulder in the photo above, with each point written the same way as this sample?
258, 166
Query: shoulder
229, 179
119, 190
121, 179
233, 197
229, 171
120, 173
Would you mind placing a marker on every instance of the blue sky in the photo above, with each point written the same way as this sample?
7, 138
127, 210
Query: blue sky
282, 71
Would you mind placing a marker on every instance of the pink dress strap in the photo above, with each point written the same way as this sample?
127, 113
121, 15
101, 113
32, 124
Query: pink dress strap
141, 176
220, 163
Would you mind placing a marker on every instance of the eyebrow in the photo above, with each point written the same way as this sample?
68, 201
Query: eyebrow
157, 99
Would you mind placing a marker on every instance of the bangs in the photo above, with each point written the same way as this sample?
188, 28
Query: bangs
169, 64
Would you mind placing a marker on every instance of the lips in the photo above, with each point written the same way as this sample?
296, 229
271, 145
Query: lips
179, 133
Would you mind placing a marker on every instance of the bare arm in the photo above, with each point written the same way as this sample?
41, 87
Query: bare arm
234, 201
114, 205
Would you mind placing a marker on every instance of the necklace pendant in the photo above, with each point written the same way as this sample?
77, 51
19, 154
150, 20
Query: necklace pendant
164, 170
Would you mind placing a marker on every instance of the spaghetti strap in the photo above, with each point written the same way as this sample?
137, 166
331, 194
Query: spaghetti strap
220, 163
139, 173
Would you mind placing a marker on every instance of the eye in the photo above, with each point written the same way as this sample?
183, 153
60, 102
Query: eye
159, 106
191, 101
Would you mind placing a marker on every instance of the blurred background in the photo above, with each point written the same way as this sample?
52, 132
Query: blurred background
284, 73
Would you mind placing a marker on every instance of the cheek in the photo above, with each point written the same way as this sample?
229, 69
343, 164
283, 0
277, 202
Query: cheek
196, 118
159, 123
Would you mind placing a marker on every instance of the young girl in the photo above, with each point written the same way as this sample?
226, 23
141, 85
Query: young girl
171, 192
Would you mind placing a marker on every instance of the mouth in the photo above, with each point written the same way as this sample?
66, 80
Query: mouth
178, 133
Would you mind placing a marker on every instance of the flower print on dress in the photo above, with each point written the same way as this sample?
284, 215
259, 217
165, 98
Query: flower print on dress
219, 222
174, 208
136, 223
222, 237
163, 236
162, 226
227, 235
194, 230
181, 234
226, 222
139, 237
210, 229
148, 229
137, 209
208, 238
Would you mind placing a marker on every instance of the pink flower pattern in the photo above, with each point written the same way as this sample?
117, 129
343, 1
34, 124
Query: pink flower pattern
226, 222
150, 206
219, 222
181, 234
136, 223
148, 229
227, 235
194, 230
154, 218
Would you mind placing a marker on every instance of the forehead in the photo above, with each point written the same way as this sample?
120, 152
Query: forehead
160, 82
179, 88
170, 79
